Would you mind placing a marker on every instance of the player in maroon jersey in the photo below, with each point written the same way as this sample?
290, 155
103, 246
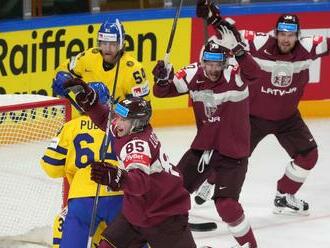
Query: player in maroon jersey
284, 58
220, 149
155, 205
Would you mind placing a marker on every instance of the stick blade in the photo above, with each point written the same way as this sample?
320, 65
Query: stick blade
203, 227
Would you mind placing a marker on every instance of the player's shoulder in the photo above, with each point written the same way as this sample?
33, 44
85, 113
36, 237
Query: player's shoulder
74, 125
258, 39
191, 68
308, 42
130, 62
87, 54
93, 51
188, 70
85, 57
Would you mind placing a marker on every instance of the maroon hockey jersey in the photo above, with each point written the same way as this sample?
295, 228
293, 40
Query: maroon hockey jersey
283, 76
221, 108
153, 190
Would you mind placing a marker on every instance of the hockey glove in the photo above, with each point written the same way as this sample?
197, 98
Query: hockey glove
208, 11
60, 78
163, 73
86, 96
229, 24
229, 41
107, 174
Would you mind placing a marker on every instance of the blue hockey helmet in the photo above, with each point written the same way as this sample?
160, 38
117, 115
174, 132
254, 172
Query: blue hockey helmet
101, 90
112, 31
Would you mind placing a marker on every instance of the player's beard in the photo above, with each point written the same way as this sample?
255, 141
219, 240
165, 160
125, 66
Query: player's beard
285, 47
214, 76
110, 57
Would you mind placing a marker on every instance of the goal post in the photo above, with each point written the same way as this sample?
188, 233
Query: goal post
29, 199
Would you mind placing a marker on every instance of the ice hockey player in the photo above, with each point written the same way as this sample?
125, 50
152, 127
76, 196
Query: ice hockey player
285, 58
100, 64
219, 93
69, 155
155, 206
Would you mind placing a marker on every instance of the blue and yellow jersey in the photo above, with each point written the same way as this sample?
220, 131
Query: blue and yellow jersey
70, 153
131, 80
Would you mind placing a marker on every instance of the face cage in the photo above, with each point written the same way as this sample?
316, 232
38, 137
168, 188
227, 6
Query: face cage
138, 125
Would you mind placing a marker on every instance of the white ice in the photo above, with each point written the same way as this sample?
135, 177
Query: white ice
266, 166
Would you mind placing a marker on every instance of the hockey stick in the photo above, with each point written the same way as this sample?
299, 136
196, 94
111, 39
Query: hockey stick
206, 190
67, 96
170, 41
203, 227
104, 150
205, 32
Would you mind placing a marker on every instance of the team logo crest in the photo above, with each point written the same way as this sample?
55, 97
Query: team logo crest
282, 74
130, 63
207, 97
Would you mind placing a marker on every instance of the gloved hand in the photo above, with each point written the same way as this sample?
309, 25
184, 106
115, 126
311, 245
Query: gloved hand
208, 11
229, 24
229, 41
107, 174
60, 78
86, 96
163, 73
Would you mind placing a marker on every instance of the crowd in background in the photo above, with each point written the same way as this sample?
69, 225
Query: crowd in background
15, 9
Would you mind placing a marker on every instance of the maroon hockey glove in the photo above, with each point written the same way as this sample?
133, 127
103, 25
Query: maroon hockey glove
107, 174
162, 73
208, 11
86, 97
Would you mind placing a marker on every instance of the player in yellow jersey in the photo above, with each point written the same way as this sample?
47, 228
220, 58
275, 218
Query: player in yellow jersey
69, 155
100, 64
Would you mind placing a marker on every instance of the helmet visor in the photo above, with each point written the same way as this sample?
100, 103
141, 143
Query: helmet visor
287, 27
121, 110
219, 57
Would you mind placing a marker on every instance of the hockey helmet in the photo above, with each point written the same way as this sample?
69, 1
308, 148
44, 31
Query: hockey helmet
213, 51
288, 23
101, 90
137, 109
112, 32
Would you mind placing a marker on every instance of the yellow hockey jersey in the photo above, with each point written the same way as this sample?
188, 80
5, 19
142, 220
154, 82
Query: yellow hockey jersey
131, 79
70, 153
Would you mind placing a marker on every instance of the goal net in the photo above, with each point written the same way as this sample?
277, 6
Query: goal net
29, 199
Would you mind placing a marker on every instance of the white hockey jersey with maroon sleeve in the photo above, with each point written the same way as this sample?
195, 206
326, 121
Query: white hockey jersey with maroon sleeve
283, 77
221, 108
153, 190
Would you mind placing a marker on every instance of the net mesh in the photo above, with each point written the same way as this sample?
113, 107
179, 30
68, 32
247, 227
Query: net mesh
29, 199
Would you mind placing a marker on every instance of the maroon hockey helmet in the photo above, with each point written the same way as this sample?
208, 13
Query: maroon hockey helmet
288, 23
137, 109
213, 51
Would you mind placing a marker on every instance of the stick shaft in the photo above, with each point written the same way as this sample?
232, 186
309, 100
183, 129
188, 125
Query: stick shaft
170, 41
104, 150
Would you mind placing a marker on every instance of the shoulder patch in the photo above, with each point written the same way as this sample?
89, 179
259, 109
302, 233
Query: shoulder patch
95, 50
130, 63
181, 74
317, 39
249, 35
